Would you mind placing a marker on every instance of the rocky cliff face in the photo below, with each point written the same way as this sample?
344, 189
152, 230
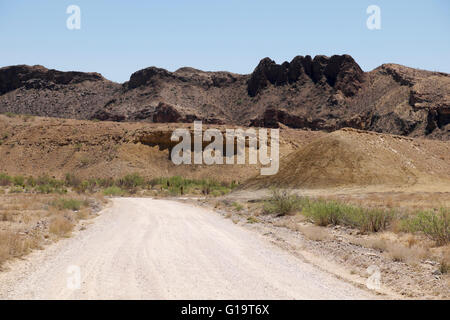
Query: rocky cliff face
320, 93
339, 72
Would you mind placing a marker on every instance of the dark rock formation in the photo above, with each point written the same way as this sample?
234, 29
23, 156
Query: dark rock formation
147, 76
340, 72
38, 77
166, 113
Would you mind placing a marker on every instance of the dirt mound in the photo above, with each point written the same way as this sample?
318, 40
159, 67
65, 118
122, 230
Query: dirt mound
348, 158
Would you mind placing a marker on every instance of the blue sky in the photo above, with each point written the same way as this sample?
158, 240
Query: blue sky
119, 37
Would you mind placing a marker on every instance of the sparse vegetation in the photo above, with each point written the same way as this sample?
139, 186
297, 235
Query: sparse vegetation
177, 185
281, 203
128, 184
325, 212
10, 114
252, 219
13, 245
68, 204
27, 221
444, 267
113, 191
434, 225
61, 226
331, 212
237, 206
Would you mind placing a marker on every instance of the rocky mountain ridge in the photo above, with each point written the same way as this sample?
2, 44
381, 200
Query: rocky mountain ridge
320, 93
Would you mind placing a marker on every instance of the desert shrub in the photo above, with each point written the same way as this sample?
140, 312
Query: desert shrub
12, 245
27, 117
237, 206
113, 191
68, 204
324, 212
72, 180
366, 219
329, 212
30, 181
85, 161
130, 181
18, 181
44, 188
60, 226
179, 185
52, 182
5, 180
105, 182
444, 267
252, 219
48, 188
434, 225
281, 202
16, 190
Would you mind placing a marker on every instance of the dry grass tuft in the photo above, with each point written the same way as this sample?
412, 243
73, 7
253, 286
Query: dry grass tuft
61, 226
314, 233
13, 245
400, 253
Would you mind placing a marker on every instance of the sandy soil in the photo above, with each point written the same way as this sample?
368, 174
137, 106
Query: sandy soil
161, 249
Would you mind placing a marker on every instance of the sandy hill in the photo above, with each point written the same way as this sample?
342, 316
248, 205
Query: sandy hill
349, 158
38, 146
320, 93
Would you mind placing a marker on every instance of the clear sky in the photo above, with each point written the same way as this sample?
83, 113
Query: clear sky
119, 37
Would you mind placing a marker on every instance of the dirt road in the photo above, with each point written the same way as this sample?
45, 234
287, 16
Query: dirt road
160, 249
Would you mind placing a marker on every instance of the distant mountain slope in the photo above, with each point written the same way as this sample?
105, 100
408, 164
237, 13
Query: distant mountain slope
320, 93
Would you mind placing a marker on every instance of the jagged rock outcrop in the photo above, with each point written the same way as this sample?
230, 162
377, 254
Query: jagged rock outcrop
340, 72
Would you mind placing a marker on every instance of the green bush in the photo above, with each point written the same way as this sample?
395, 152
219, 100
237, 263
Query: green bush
113, 191
434, 225
19, 181
281, 202
71, 180
5, 180
326, 212
131, 181
16, 189
237, 206
68, 204
177, 185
